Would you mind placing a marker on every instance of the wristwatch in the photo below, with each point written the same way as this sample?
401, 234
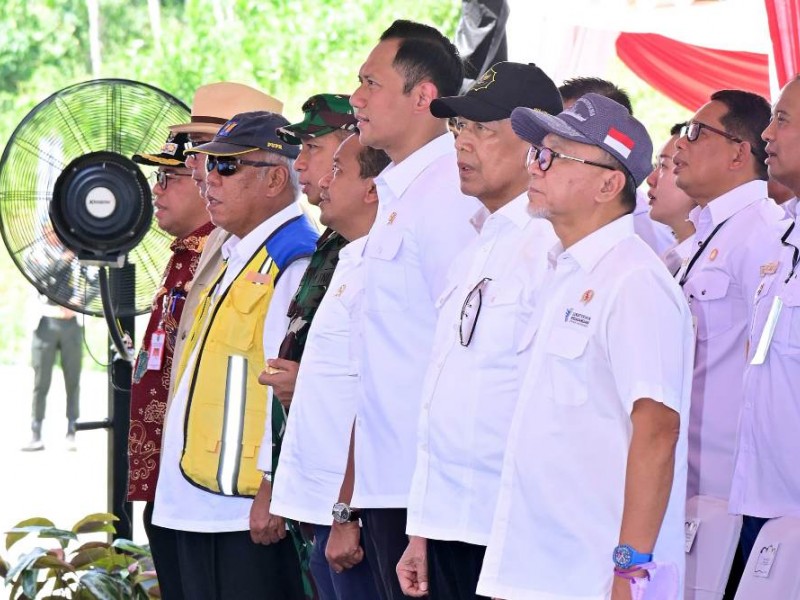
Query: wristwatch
625, 557
344, 513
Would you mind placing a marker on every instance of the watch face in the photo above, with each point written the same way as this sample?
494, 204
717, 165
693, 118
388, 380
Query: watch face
341, 512
622, 556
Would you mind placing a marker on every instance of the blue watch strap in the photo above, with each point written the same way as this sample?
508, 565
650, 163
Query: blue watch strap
625, 556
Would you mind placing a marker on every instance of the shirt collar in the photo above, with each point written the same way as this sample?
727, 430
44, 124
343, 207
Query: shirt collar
792, 234
515, 211
398, 176
194, 241
591, 249
243, 248
728, 204
790, 206
354, 248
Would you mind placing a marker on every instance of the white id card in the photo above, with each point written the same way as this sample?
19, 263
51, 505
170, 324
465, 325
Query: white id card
760, 354
766, 557
691, 526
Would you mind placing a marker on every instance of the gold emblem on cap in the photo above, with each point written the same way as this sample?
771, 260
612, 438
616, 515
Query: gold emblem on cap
587, 296
485, 81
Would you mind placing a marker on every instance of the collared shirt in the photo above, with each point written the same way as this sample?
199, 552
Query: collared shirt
790, 208
470, 392
613, 328
315, 447
656, 235
766, 480
720, 288
421, 225
677, 254
150, 387
179, 504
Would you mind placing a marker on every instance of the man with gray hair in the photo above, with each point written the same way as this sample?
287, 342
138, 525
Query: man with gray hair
216, 447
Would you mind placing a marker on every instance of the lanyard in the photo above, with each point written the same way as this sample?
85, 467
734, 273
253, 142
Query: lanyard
795, 254
699, 253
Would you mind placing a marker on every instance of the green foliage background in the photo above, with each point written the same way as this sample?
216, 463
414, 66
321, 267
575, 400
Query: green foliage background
288, 48
291, 49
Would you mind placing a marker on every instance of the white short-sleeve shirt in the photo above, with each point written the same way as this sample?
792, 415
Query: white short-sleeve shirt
470, 391
423, 222
766, 478
317, 439
613, 328
720, 288
179, 504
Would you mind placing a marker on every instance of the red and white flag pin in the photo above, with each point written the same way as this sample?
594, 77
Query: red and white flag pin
619, 142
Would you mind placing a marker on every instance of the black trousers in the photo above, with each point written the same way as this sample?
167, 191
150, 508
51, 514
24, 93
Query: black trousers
224, 566
385, 540
65, 337
453, 570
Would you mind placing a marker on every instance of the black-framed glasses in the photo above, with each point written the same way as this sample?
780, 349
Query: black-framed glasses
228, 165
543, 156
162, 177
470, 311
692, 131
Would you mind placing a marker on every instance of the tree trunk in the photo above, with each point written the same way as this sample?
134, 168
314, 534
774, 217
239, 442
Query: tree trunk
93, 7
154, 10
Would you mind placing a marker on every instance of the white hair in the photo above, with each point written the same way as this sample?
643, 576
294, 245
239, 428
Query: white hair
294, 176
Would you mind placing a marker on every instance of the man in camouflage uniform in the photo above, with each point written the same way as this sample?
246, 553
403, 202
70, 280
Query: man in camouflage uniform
327, 120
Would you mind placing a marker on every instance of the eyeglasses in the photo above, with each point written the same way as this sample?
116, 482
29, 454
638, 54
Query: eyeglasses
544, 156
692, 131
163, 177
470, 311
227, 166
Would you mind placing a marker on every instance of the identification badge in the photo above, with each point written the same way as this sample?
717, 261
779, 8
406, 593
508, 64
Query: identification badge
141, 366
691, 533
766, 556
760, 354
156, 357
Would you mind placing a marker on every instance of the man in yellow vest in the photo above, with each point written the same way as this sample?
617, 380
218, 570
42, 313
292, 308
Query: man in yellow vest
213, 458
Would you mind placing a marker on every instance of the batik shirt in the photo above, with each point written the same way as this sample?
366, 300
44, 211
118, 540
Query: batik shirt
150, 387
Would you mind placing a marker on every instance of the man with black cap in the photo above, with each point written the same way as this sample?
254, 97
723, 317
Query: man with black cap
471, 384
217, 455
328, 120
180, 212
593, 485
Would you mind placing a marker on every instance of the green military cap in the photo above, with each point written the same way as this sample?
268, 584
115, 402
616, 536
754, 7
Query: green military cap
323, 113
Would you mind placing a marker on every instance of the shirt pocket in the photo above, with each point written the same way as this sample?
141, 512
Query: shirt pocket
708, 296
244, 297
388, 288
504, 320
566, 366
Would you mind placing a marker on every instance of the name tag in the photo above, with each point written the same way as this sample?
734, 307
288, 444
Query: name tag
766, 557
156, 357
691, 533
769, 330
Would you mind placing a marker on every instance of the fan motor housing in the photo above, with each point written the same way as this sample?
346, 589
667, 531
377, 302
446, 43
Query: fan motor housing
101, 207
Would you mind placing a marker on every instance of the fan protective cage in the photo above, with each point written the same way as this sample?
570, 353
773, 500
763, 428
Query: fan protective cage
100, 116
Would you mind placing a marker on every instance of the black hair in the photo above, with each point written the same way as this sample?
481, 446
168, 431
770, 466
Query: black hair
676, 129
371, 162
748, 115
574, 88
425, 54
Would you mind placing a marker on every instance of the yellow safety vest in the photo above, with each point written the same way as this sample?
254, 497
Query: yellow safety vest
227, 408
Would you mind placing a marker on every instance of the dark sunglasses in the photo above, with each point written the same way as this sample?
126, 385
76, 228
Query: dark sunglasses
227, 166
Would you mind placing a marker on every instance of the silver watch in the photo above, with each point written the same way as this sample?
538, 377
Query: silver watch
344, 513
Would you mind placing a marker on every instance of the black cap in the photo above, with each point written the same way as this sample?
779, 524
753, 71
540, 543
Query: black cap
501, 89
248, 132
172, 153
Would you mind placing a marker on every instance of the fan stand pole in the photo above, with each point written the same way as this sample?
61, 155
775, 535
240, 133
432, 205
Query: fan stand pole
119, 297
